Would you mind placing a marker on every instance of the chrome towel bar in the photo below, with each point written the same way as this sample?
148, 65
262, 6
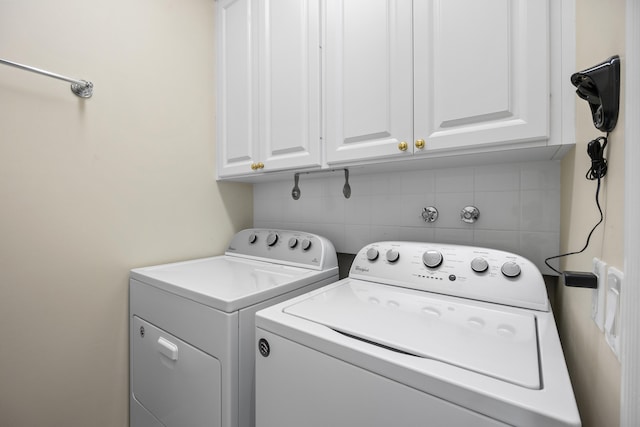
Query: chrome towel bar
81, 88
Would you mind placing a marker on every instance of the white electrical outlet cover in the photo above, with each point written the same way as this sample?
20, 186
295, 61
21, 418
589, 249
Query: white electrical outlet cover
598, 295
612, 319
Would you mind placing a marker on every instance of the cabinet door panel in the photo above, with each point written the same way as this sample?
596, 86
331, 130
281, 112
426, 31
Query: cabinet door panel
481, 72
236, 122
368, 68
290, 83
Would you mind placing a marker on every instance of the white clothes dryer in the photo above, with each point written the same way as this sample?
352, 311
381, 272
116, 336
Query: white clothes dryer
419, 334
192, 326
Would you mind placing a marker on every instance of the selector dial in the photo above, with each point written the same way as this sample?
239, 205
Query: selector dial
272, 239
393, 255
510, 269
432, 258
306, 244
479, 265
253, 237
293, 242
372, 254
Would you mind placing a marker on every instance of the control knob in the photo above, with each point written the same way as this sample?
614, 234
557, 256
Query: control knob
432, 258
393, 255
510, 269
293, 242
479, 265
272, 238
252, 238
306, 244
372, 254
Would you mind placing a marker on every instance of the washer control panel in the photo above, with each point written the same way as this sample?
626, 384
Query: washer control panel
294, 248
464, 271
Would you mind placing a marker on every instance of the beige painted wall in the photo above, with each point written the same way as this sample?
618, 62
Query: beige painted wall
90, 189
595, 371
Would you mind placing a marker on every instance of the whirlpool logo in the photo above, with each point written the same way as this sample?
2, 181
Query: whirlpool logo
361, 269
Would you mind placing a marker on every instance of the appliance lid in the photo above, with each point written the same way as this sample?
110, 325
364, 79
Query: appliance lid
480, 337
228, 283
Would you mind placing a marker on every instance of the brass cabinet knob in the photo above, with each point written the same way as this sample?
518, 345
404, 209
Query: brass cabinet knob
403, 146
254, 166
260, 165
420, 143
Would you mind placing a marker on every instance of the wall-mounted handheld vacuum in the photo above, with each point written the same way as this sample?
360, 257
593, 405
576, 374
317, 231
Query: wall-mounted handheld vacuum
600, 87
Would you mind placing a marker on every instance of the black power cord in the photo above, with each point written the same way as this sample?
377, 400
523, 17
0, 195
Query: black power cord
597, 171
595, 150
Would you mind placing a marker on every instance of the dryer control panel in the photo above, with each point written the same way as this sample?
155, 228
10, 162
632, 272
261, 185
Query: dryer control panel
296, 248
464, 271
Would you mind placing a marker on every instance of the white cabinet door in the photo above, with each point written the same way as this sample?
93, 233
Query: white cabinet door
481, 72
368, 77
455, 73
268, 85
289, 83
236, 121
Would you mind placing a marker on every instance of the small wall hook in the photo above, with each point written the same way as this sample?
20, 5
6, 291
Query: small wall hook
295, 193
346, 190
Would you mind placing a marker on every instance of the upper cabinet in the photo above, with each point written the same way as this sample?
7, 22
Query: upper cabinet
306, 84
268, 86
410, 78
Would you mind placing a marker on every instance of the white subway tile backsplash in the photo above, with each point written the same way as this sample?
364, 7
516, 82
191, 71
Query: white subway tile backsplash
499, 210
332, 209
293, 210
381, 232
454, 236
268, 211
454, 180
497, 178
357, 209
385, 183
539, 210
385, 209
361, 185
540, 175
519, 207
497, 239
449, 206
418, 182
417, 234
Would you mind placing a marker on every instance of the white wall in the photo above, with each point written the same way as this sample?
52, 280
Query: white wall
519, 207
92, 188
594, 369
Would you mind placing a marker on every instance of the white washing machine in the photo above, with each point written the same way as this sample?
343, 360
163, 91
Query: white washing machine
419, 334
192, 326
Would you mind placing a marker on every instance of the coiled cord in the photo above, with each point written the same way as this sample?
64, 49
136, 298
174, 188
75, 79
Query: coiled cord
595, 150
